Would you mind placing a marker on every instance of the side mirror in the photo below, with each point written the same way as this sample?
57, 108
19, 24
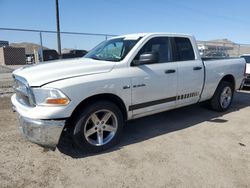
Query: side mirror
147, 58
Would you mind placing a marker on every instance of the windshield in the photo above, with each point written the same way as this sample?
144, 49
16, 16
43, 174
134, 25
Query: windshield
112, 50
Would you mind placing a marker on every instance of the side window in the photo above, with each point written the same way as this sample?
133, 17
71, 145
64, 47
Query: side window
160, 45
183, 49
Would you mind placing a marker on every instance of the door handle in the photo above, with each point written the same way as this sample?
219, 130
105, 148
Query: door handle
197, 68
169, 71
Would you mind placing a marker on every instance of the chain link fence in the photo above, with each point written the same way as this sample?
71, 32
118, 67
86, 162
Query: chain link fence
222, 48
19, 47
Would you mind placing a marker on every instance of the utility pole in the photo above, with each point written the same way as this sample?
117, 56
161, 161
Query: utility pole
41, 47
58, 30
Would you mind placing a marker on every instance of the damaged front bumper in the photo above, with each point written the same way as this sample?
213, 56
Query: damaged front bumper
46, 133
43, 132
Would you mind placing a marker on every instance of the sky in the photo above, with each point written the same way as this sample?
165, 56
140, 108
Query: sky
206, 20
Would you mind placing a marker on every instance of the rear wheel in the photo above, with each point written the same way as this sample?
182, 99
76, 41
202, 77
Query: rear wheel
223, 97
98, 127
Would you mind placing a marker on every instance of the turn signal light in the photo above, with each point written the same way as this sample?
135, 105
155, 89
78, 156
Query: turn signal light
58, 101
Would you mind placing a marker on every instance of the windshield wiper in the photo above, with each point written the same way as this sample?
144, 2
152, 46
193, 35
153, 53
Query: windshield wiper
95, 58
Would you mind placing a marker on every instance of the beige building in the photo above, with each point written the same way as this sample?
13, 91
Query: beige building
12, 56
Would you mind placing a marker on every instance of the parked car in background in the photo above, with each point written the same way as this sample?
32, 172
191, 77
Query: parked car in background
123, 78
216, 55
30, 58
49, 55
247, 80
74, 54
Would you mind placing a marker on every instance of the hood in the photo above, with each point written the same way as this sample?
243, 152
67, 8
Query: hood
40, 74
248, 68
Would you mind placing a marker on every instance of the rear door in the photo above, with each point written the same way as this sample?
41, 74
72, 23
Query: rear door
190, 72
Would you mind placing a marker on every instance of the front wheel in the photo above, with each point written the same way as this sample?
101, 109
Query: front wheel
223, 97
98, 127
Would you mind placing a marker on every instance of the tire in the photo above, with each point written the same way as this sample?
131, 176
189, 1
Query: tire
223, 96
98, 127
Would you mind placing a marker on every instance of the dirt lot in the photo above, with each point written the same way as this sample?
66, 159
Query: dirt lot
188, 147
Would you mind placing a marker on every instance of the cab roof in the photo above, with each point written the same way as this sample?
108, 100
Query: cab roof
138, 35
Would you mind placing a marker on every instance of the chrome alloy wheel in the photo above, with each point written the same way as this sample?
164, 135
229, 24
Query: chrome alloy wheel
226, 97
100, 127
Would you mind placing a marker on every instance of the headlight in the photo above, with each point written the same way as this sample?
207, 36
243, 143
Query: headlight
49, 96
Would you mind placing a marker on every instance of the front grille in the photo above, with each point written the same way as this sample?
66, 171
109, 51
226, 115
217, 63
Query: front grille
247, 81
23, 93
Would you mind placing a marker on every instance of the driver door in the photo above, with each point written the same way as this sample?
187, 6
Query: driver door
154, 88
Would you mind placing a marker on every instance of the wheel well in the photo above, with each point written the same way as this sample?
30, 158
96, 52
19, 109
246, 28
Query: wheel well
229, 78
107, 97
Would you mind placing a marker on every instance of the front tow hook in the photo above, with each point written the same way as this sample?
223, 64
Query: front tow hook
13, 109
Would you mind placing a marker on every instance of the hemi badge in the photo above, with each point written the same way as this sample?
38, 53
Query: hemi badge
126, 87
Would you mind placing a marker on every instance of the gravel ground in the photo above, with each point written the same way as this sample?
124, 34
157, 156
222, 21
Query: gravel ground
9, 68
6, 84
6, 81
187, 147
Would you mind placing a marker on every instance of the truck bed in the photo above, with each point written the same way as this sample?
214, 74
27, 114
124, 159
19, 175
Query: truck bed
215, 69
216, 58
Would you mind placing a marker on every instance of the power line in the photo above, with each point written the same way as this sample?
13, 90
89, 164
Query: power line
62, 32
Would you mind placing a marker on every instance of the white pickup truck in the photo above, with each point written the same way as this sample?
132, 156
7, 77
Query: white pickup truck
247, 79
123, 78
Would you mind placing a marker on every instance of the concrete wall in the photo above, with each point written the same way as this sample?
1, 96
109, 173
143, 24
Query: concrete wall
1, 56
12, 56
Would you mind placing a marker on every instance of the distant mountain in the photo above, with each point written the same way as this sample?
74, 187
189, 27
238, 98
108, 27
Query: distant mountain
222, 41
236, 49
29, 47
218, 42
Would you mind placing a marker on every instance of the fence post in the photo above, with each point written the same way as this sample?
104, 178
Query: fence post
41, 46
58, 31
205, 50
239, 50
